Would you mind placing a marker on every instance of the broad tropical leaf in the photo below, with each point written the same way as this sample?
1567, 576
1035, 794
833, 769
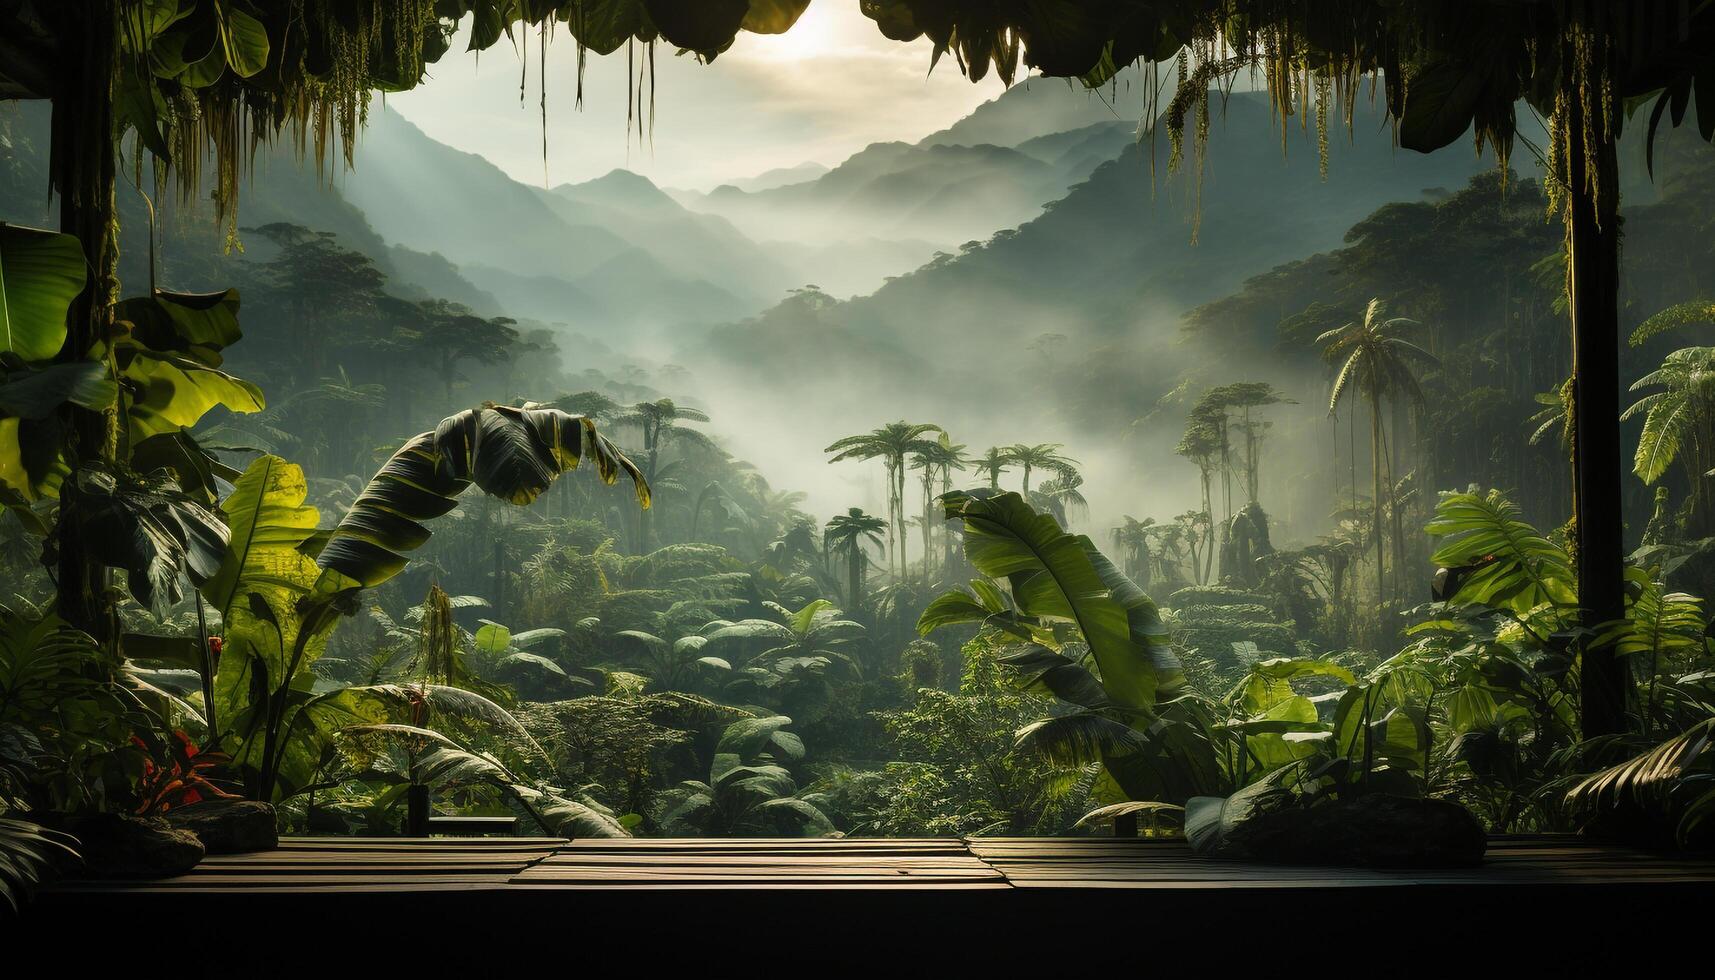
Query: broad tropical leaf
511, 453
270, 525
1511, 565
41, 274
1052, 575
146, 526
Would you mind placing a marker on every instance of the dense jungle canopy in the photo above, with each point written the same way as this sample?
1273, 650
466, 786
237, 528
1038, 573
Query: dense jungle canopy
688, 642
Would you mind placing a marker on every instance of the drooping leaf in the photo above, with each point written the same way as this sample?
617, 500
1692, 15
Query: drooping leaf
511, 453
1440, 100
1052, 576
1211, 820
37, 393
41, 274
146, 526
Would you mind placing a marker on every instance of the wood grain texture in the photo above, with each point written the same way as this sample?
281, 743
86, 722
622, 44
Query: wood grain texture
528, 865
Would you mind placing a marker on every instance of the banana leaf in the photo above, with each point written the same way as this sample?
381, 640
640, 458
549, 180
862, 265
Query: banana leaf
510, 453
1056, 575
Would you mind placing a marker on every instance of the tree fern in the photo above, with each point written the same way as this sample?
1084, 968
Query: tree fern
1673, 318
1658, 624
1678, 414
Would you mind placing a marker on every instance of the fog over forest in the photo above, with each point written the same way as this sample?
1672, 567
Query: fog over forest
1023, 275
1282, 431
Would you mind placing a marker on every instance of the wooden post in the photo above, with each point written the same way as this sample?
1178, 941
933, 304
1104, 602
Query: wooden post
84, 172
1592, 284
417, 810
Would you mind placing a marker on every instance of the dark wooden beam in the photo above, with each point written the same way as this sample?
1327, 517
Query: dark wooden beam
1592, 284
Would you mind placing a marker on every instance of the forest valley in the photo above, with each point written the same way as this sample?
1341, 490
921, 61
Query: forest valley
625, 629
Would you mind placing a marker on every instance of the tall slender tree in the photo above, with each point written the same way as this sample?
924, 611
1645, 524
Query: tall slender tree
1374, 362
1201, 444
848, 535
891, 444
993, 463
1042, 456
659, 421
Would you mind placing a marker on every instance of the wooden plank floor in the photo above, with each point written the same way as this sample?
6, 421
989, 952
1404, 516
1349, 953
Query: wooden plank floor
820, 864
882, 903
1146, 864
541, 864
323, 864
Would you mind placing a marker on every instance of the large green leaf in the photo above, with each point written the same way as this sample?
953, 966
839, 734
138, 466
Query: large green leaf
1512, 566
31, 462
173, 392
144, 525
263, 681
1440, 101
36, 393
703, 26
511, 453
244, 39
197, 325
269, 524
41, 273
599, 25
1053, 576
773, 16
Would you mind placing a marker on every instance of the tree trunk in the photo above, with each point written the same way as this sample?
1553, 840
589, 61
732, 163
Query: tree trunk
854, 573
1592, 286
904, 532
1376, 487
84, 173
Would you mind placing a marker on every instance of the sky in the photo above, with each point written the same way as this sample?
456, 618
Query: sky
819, 93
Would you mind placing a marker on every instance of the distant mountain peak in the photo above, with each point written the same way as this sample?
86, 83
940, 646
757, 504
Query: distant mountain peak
621, 188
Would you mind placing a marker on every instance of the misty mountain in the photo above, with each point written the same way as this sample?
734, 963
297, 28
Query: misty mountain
689, 249
943, 193
1039, 107
193, 253
1076, 153
780, 177
892, 206
1073, 318
559, 256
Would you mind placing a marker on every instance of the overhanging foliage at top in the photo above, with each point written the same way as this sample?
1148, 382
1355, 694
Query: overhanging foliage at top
226, 74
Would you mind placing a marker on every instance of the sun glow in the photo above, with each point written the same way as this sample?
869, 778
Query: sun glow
820, 31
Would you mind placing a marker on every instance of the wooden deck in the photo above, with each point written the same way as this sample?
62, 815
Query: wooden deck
826, 891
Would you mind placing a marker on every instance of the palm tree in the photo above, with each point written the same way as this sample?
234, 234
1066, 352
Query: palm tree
891, 444
848, 534
1201, 444
1131, 542
1247, 397
659, 421
1064, 497
1375, 362
935, 459
593, 404
1044, 456
953, 458
994, 463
